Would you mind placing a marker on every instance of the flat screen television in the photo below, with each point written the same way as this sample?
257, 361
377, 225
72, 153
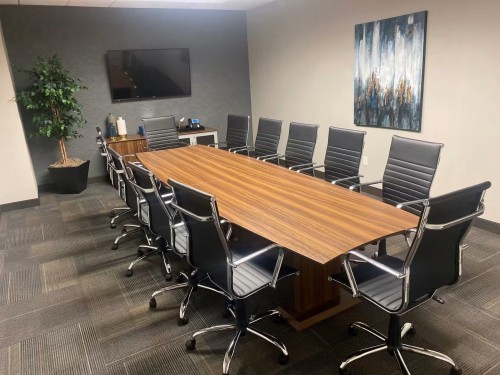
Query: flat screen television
149, 73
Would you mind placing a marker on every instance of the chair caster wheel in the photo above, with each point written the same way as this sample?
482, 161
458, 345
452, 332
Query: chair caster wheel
179, 278
140, 253
152, 303
183, 322
456, 371
112, 226
129, 273
226, 314
168, 277
353, 331
343, 371
283, 359
412, 331
115, 246
191, 344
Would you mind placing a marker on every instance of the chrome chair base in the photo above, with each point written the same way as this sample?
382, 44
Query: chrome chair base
283, 358
116, 213
407, 328
125, 232
182, 282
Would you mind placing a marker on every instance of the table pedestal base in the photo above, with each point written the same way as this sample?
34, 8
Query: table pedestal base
315, 298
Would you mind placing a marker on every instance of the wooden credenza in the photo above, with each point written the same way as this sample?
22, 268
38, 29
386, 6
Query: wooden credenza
129, 145
132, 144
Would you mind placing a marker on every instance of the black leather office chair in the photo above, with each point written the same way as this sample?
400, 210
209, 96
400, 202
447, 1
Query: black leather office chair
408, 175
299, 148
173, 236
161, 222
343, 156
128, 193
161, 133
238, 129
102, 145
434, 260
267, 140
238, 269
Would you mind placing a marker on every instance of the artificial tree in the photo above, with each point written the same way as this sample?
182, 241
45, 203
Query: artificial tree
50, 98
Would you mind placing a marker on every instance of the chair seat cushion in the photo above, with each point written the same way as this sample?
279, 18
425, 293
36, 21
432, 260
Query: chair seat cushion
254, 274
376, 285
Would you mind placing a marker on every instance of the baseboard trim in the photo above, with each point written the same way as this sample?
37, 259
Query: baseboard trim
20, 205
47, 188
487, 225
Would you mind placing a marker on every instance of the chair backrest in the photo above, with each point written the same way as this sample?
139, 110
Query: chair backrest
119, 167
207, 249
160, 215
435, 257
343, 155
268, 137
161, 133
301, 143
410, 171
238, 128
102, 145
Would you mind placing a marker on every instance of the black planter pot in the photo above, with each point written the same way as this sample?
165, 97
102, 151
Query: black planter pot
70, 180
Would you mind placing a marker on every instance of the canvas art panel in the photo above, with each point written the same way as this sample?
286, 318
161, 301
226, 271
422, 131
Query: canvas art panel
389, 72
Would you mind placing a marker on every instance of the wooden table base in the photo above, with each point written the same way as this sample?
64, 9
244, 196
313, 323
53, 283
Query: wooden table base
315, 298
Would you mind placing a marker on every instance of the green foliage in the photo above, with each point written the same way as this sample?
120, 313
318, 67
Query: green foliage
50, 98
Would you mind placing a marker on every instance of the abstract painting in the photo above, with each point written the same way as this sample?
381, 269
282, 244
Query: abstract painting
389, 72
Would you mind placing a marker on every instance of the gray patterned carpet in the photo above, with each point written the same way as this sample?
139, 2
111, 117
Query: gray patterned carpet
67, 308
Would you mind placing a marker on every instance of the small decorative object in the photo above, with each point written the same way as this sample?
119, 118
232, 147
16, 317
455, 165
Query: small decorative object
389, 72
50, 98
111, 131
141, 130
122, 127
111, 123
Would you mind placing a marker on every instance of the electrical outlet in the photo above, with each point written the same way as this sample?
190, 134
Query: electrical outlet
365, 160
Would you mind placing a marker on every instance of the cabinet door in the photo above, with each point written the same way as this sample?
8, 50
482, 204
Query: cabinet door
205, 139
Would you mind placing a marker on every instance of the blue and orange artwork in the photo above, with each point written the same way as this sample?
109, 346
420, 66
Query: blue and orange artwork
389, 72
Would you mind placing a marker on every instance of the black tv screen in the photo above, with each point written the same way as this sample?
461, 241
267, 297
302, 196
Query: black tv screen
149, 73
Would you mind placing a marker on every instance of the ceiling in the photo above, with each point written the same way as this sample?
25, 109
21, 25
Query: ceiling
179, 4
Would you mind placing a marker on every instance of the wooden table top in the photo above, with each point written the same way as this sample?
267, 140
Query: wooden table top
309, 216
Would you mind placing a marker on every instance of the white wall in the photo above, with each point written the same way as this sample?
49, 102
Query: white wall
302, 66
18, 180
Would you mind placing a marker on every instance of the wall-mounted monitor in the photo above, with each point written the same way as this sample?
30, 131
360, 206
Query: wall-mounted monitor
149, 73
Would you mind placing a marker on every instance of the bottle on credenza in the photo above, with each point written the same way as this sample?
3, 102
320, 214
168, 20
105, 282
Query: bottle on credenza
111, 125
122, 127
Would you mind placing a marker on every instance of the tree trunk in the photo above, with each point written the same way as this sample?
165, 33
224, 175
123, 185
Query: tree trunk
62, 147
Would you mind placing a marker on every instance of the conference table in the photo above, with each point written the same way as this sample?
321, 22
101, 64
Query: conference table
315, 220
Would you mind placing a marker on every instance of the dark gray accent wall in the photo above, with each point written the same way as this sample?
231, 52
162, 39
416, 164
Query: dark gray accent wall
217, 42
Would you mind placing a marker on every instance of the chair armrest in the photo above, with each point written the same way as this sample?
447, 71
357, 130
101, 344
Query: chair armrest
266, 156
350, 275
377, 264
271, 157
141, 189
247, 149
409, 203
277, 266
292, 168
232, 149
229, 228
352, 187
408, 233
334, 182
311, 167
216, 144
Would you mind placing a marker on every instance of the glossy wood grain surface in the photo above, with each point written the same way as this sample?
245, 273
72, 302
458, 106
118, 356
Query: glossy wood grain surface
309, 216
